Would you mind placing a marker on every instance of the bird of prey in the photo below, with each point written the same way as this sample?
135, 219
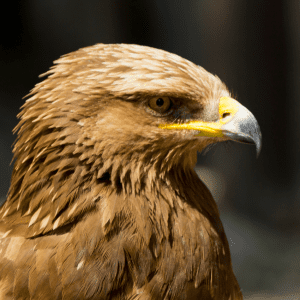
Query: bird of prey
104, 202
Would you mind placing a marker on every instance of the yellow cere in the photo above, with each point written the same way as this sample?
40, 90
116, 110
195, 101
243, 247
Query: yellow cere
210, 129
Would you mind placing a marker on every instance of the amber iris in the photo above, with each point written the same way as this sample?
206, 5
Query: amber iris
160, 104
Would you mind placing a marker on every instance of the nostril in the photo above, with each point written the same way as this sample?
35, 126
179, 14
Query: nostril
227, 114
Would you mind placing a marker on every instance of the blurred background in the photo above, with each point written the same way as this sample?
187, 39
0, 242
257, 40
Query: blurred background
253, 46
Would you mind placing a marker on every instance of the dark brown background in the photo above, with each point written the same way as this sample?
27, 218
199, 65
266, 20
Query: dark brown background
253, 46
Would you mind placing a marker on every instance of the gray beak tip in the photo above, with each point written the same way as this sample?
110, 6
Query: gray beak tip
244, 128
258, 144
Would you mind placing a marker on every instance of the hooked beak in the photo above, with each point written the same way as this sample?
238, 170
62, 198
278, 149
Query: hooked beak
235, 122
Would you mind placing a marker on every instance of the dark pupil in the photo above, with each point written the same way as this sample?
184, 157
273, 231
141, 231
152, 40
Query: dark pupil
159, 102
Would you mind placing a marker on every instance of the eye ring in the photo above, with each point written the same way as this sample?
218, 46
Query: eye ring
160, 104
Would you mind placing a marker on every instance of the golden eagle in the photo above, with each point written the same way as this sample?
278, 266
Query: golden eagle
104, 202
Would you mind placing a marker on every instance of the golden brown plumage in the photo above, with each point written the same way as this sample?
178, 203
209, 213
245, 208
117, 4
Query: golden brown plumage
104, 202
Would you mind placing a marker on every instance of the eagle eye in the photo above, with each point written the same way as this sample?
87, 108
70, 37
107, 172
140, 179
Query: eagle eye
160, 104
